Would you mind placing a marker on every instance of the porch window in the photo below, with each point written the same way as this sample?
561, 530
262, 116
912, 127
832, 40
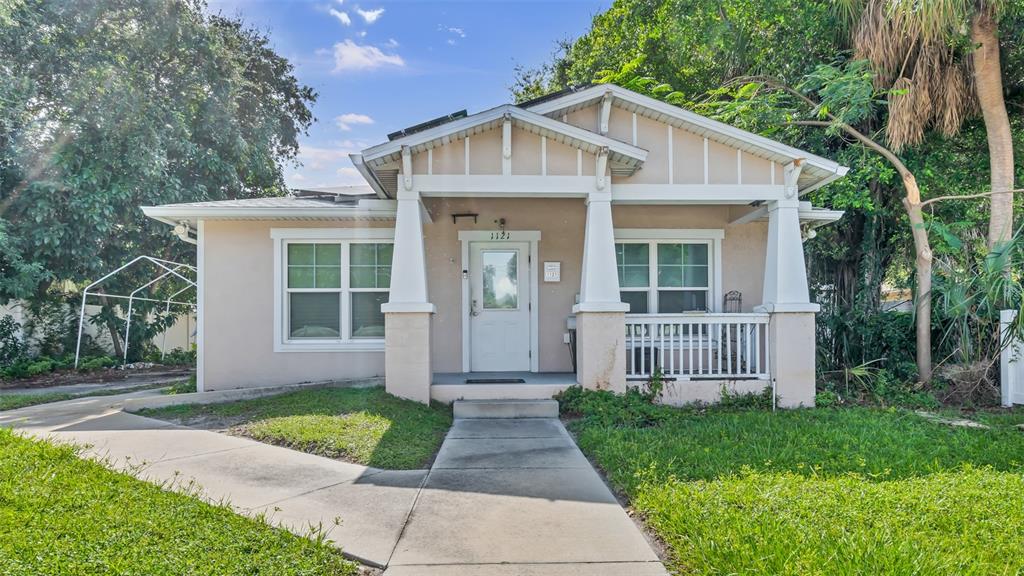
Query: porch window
333, 290
665, 276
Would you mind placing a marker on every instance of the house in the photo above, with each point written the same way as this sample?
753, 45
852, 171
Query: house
492, 255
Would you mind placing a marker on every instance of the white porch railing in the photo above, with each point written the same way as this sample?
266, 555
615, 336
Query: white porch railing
692, 346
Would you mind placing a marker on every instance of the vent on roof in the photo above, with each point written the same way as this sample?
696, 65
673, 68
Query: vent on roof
553, 95
427, 125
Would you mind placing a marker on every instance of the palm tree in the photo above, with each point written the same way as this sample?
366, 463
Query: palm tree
940, 59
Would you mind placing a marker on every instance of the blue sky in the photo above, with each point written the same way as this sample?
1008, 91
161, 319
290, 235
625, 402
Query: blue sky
382, 66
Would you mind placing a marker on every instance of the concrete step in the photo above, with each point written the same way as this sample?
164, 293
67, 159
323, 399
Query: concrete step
505, 409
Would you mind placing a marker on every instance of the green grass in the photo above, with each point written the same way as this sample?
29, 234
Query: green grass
63, 515
361, 425
14, 401
826, 491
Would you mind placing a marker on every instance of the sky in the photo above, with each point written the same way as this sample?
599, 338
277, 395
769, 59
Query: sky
381, 66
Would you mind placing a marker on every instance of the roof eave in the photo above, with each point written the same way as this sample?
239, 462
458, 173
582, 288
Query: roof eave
368, 175
172, 214
594, 93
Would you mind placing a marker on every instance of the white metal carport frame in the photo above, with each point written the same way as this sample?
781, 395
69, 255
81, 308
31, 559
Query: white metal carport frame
172, 269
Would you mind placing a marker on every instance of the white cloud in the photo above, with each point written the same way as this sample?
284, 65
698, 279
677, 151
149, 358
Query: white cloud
351, 56
452, 30
454, 33
350, 173
318, 158
341, 16
346, 121
370, 16
391, 43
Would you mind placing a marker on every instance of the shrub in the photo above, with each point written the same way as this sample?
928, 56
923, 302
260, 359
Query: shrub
177, 357
42, 365
12, 349
96, 363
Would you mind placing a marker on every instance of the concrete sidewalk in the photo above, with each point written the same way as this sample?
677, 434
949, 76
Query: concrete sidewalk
516, 496
504, 497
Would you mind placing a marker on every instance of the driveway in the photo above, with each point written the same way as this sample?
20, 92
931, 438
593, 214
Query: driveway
504, 497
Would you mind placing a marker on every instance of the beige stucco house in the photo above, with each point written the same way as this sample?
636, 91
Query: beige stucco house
593, 236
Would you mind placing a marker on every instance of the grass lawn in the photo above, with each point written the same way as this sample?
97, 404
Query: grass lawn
63, 515
361, 425
825, 491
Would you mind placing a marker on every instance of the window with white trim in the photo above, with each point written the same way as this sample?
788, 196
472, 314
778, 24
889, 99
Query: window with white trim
333, 290
665, 277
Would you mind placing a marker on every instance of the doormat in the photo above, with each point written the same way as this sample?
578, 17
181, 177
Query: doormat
495, 381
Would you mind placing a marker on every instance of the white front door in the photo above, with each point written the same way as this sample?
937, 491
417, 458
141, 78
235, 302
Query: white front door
499, 313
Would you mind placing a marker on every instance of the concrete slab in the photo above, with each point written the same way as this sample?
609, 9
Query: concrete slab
256, 475
571, 569
148, 446
505, 409
372, 510
506, 428
464, 454
519, 516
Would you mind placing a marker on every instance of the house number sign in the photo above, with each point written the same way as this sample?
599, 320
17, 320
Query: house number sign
501, 235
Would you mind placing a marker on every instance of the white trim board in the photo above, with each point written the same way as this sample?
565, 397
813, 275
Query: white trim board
669, 233
333, 233
200, 305
533, 237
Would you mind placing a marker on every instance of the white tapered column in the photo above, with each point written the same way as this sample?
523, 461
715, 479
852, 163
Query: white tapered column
787, 298
600, 314
407, 369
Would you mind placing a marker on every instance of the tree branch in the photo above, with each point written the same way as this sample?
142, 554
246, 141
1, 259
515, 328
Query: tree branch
969, 196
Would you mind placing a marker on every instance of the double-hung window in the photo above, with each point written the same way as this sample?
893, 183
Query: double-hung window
666, 275
331, 290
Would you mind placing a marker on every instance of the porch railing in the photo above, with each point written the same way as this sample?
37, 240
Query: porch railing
694, 346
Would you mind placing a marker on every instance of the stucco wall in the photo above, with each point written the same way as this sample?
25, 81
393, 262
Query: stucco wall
239, 287
239, 313
561, 223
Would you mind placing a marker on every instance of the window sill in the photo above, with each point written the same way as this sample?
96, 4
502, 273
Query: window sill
329, 346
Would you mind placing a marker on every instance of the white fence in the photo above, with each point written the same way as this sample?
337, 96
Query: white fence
1011, 362
692, 346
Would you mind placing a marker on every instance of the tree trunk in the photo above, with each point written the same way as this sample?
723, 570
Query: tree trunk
988, 83
114, 330
923, 268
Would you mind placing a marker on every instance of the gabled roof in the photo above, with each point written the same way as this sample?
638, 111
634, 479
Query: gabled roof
817, 171
623, 158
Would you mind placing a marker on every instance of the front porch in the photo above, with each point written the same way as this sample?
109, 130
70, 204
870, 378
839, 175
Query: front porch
638, 216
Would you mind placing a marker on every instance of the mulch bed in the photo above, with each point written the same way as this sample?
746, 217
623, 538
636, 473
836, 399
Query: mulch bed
64, 377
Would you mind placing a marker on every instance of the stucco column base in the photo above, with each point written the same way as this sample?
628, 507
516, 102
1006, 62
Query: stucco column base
792, 358
407, 371
601, 350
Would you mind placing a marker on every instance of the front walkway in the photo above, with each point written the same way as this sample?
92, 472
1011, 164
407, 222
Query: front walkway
503, 497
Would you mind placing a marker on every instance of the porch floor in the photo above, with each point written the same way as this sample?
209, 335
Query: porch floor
528, 378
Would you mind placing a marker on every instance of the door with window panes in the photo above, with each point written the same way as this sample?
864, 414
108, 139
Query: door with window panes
664, 277
334, 290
